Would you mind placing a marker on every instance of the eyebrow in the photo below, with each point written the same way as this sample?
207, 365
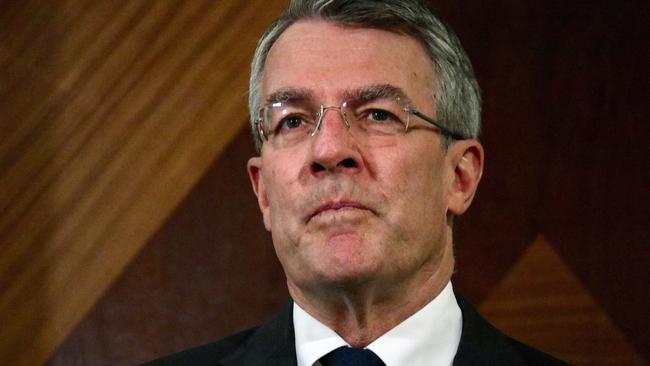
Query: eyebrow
363, 94
290, 95
377, 91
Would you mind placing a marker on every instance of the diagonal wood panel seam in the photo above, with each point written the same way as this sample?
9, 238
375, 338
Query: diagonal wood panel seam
103, 135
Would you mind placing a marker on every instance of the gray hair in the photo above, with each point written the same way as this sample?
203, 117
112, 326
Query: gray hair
456, 94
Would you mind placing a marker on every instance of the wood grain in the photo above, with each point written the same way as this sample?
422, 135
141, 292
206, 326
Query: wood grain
209, 271
111, 111
542, 303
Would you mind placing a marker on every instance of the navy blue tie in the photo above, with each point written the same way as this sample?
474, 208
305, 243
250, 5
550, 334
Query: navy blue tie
347, 356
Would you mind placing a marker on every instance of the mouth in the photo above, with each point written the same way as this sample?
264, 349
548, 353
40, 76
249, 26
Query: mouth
335, 206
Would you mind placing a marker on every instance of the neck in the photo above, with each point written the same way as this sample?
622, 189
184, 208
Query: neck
361, 314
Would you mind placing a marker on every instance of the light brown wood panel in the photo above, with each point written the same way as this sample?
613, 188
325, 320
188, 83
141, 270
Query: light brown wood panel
542, 302
111, 111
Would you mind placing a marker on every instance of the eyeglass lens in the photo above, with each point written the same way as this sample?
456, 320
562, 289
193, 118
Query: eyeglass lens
371, 122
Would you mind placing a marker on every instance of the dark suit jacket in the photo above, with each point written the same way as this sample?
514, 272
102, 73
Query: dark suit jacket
272, 344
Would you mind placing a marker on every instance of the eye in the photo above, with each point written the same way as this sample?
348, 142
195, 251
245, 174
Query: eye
291, 122
379, 121
380, 115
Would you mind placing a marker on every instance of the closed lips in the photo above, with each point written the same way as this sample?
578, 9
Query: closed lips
333, 206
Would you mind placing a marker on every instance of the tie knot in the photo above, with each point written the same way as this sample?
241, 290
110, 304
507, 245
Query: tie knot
348, 356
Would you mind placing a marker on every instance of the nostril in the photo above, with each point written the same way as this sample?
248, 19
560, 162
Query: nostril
343, 165
348, 163
316, 167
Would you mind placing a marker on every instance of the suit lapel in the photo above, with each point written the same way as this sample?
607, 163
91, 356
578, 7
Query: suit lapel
271, 344
480, 342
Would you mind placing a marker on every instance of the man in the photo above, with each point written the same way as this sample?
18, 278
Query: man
366, 117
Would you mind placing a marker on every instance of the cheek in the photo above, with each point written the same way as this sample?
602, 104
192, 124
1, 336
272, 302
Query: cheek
410, 174
414, 182
274, 173
282, 185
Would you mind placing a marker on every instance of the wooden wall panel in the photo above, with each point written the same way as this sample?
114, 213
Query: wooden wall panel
111, 110
597, 173
208, 272
566, 147
541, 302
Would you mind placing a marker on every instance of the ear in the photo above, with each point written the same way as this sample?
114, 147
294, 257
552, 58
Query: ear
466, 159
257, 181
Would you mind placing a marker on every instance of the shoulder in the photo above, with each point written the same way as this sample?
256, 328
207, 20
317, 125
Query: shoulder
482, 344
532, 356
207, 354
271, 343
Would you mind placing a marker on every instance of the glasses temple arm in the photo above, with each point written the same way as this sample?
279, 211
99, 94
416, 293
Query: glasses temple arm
438, 124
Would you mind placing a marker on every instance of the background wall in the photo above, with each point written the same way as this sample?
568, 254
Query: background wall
122, 141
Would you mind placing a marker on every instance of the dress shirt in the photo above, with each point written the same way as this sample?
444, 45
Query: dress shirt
430, 337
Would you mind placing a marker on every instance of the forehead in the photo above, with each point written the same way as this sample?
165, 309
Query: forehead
329, 59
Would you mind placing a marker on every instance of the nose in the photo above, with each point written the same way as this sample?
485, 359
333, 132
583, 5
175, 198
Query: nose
334, 149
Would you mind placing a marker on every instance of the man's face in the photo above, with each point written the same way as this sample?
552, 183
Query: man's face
341, 212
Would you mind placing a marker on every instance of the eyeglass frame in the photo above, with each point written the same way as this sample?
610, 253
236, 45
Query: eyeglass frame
322, 109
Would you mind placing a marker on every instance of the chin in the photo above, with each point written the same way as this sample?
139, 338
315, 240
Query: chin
348, 269
343, 259
346, 279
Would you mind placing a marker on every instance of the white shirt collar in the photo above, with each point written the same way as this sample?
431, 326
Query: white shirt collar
428, 337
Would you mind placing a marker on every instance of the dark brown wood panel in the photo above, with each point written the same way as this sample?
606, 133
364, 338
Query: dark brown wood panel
597, 176
565, 90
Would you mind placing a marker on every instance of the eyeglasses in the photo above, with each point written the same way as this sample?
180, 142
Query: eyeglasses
373, 122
